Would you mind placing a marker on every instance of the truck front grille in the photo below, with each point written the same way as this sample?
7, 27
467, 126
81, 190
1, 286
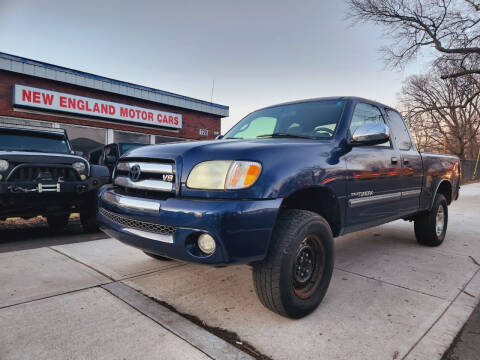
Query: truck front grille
146, 176
35, 173
137, 224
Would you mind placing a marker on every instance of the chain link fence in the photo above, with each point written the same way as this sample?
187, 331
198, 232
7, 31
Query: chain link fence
468, 171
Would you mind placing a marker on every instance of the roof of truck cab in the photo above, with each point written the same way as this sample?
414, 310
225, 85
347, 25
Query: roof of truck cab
330, 98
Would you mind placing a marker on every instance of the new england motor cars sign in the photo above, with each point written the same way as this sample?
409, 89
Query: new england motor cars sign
67, 103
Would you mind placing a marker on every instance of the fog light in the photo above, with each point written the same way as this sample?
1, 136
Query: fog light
1, 176
206, 243
83, 177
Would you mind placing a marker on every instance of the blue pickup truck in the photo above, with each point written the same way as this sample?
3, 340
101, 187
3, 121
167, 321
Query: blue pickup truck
276, 190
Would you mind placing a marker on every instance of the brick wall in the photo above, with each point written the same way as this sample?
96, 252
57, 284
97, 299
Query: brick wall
192, 120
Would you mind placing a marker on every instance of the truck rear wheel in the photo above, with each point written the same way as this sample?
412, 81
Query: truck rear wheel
294, 277
431, 226
57, 223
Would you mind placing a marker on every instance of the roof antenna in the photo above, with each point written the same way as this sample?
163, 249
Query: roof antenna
213, 86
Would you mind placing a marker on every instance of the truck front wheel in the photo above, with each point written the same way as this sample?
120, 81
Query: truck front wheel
57, 223
431, 226
294, 277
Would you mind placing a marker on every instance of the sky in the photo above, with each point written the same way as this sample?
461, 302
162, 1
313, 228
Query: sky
255, 52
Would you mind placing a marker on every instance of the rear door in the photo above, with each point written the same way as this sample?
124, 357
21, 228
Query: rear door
411, 176
373, 188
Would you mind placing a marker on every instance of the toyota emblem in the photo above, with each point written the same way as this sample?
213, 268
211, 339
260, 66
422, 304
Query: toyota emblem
135, 173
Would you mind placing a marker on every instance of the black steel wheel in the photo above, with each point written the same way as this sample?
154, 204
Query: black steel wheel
294, 277
431, 226
309, 266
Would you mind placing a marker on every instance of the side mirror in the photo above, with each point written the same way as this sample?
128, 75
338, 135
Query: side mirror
218, 137
370, 134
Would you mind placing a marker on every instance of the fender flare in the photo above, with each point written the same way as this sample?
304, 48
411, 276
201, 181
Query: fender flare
436, 191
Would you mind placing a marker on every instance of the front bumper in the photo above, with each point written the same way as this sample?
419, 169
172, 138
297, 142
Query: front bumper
44, 198
241, 228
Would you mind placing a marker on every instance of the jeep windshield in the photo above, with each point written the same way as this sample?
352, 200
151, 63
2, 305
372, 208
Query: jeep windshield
24, 141
316, 120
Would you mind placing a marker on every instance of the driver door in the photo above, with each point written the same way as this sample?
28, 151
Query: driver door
373, 186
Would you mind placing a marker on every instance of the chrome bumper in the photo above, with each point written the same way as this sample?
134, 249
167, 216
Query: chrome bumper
129, 202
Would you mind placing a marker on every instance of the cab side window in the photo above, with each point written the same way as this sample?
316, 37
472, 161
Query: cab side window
367, 114
400, 131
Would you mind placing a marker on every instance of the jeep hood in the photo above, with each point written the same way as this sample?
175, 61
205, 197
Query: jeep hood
39, 157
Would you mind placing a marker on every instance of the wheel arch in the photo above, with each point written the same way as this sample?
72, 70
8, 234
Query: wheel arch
320, 200
444, 187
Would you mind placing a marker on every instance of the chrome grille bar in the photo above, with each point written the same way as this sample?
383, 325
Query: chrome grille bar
147, 184
152, 168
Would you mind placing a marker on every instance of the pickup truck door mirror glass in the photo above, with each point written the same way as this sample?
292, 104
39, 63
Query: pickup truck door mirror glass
370, 134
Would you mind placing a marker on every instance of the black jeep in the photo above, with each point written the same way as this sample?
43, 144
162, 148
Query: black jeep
41, 175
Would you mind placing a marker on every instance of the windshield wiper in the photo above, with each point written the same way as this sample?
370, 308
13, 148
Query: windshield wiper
286, 135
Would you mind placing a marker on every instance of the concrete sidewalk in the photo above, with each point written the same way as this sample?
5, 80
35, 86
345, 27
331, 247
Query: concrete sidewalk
389, 299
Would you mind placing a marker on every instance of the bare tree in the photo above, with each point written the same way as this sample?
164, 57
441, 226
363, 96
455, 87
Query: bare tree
442, 114
452, 28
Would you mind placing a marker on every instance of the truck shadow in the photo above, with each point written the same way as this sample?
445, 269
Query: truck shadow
33, 234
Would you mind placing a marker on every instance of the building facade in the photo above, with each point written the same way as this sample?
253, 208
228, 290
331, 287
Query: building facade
96, 110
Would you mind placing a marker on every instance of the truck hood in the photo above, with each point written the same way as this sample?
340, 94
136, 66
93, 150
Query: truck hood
286, 162
229, 149
38, 157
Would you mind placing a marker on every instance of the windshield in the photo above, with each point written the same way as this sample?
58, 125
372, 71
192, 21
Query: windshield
17, 142
312, 120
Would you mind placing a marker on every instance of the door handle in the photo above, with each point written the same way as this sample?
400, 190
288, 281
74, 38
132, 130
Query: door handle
394, 160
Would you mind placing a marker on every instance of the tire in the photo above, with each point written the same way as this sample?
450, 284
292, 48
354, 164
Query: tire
88, 214
158, 257
425, 225
89, 222
286, 282
57, 223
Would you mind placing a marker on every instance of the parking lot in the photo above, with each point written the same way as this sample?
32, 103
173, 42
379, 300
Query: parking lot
87, 296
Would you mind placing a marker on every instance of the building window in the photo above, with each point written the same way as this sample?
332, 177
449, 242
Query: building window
85, 139
17, 122
129, 137
165, 139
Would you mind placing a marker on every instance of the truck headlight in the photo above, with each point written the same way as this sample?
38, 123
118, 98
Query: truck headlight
4, 165
224, 175
79, 167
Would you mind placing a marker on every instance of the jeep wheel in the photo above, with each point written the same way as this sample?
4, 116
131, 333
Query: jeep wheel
57, 223
88, 213
431, 226
294, 277
158, 257
89, 221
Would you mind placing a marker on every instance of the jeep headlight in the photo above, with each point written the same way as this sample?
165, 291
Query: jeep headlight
224, 175
79, 167
4, 165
